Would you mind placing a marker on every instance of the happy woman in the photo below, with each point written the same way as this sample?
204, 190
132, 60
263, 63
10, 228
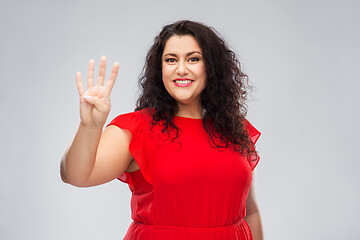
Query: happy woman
187, 152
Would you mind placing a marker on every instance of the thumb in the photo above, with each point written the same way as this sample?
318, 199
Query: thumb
94, 100
89, 99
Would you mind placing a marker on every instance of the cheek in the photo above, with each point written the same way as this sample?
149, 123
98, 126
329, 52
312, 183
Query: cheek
202, 74
165, 73
166, 78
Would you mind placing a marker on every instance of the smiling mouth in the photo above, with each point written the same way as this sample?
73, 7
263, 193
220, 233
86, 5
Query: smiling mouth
183, 82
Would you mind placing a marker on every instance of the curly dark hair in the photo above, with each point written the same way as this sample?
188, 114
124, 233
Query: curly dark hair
223, 99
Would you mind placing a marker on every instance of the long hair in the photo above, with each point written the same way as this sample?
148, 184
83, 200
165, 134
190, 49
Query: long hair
223, 99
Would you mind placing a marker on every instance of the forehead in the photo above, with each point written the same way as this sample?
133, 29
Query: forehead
181, 44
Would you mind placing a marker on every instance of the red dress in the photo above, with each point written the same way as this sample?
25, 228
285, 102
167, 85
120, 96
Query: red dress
185, 189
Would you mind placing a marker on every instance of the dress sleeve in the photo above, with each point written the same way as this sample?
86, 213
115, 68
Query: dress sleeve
134, 123
254, 135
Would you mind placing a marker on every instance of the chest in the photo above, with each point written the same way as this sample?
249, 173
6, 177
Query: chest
190, 160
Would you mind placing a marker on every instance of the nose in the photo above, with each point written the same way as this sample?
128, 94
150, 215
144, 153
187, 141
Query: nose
182, 68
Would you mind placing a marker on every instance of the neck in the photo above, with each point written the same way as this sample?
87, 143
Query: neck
190, 111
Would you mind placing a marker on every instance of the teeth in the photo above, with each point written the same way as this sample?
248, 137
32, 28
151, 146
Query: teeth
183, 81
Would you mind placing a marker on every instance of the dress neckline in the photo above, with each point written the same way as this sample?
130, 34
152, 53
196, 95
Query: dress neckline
188, 118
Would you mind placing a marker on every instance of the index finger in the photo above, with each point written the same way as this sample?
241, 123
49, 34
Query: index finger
79, 84
110, 83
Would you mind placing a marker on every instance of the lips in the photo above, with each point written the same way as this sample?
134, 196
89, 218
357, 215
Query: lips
183, 82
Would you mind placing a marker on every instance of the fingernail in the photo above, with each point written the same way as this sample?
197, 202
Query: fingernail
86, 97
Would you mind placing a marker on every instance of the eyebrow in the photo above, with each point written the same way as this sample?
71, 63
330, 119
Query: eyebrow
188, 54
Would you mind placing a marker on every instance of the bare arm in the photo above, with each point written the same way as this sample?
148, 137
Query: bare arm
95, 157
253, 215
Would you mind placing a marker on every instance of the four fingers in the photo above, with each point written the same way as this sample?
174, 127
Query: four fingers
100, 80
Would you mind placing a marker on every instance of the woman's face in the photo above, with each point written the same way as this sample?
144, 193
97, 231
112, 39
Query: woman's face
183, 69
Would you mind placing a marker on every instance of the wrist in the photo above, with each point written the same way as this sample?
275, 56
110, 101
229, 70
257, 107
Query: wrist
91, 127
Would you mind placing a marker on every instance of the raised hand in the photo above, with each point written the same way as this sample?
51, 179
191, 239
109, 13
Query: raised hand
95, 101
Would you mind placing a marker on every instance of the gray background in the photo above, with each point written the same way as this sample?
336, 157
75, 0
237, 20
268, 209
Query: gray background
302, 56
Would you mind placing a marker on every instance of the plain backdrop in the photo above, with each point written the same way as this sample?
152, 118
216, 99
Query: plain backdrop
303, 57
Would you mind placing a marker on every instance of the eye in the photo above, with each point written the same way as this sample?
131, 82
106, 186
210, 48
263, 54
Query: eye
170, 60
194, 59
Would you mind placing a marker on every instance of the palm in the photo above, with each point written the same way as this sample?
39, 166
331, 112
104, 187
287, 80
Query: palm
95, 101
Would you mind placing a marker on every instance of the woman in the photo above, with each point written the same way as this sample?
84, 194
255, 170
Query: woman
187, 152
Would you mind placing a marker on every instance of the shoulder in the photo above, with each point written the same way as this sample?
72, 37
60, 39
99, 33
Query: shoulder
254, 134
132, 121
141, 114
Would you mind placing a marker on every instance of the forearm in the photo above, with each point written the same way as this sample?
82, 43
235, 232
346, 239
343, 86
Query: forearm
254, 222
79, 159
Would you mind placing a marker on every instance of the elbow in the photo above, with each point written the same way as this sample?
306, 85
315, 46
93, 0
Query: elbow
252, 209
65, 178
63, 172
70, 177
